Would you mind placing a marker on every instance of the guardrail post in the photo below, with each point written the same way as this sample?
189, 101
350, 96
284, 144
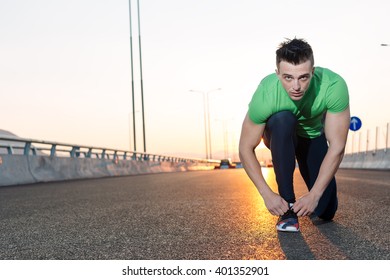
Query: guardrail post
27, 148
53, 150
75, 152
89, 153
10, 150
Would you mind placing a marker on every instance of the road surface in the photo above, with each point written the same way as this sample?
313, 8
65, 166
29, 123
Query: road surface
202, 215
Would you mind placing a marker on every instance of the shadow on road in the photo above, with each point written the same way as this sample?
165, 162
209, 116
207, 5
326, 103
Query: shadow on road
354, 246
331, 239
294, 246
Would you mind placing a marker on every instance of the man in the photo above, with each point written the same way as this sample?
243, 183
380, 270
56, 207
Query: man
302, 113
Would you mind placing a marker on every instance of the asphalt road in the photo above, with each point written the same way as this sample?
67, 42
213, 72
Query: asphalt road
204, 215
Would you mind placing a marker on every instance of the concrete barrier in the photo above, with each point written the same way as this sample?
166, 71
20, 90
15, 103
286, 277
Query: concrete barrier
21, 169
367, 160
44, 168
15, 169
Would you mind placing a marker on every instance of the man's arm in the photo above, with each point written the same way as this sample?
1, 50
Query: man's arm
336, 132
251, 134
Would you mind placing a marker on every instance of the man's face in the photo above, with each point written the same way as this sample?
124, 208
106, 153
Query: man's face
295, 78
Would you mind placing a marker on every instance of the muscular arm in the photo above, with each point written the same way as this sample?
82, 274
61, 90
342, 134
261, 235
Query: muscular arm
336, 132
251, 134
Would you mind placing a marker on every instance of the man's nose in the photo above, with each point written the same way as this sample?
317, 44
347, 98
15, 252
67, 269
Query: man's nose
296, 85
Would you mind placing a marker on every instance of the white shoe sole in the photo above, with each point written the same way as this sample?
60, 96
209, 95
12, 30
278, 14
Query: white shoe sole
287, 229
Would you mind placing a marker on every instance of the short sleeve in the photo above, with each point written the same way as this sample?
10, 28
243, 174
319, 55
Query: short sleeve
337, 97
254, 111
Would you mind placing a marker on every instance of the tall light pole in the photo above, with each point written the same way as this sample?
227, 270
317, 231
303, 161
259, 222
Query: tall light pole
142, 83
132, 79
225, 131
388, 125
207, 120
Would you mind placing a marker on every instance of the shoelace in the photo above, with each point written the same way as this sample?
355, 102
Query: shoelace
289, 214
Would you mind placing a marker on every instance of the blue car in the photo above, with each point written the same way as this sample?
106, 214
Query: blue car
226, 164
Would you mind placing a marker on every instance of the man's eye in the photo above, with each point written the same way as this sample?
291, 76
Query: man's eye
304, 78
287, 78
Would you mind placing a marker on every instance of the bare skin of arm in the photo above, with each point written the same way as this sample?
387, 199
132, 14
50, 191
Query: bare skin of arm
251, 135
336, 131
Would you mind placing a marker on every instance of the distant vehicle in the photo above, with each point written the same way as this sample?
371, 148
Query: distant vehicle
226, 164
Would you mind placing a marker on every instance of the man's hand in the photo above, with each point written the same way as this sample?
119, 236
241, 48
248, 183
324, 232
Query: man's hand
306, 204
275, 204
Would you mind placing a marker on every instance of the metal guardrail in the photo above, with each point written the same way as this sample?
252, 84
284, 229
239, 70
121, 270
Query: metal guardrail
33, 147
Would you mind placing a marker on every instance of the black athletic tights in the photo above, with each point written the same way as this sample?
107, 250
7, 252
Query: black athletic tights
280, 137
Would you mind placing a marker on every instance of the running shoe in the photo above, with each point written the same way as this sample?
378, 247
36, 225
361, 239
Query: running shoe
288, 221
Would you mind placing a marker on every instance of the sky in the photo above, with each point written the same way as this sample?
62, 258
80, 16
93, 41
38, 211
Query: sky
65, 72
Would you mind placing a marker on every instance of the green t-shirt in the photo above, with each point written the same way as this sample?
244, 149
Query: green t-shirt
327, 92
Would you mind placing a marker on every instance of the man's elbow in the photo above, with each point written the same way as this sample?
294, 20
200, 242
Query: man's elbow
337, 150
241, 153
244, 151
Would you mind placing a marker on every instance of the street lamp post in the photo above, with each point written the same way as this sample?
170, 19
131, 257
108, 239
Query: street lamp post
387, 127
132, 76
207, 120
225, 131
142, 83
132, 79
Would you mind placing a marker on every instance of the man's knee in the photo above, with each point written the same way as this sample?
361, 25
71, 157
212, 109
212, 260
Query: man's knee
280, 125
282, 119
329, 213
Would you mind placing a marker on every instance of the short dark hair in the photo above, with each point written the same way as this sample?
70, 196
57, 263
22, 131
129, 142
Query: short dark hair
295, 51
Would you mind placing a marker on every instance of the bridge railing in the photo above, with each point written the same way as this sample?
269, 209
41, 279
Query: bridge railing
32, 147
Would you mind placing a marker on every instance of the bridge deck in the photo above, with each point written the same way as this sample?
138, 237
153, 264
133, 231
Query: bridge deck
190, 215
